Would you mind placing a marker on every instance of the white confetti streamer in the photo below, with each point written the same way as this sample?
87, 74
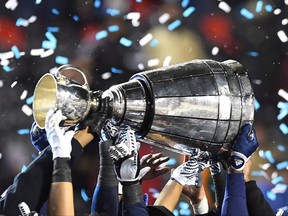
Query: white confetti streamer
153, 62
215, 51
134, 17
47, 53
164, 18
37, 52
146, 39
106, 75
11, 4
167, 61
140, 66
282, 36
1, 83
13, 84
23, 95
284, 21
277, 11
27, 110
224, 6
282, 93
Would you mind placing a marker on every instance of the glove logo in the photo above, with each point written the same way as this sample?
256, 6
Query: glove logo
237, 162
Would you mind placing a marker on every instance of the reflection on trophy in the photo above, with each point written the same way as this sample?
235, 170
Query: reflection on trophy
201, 103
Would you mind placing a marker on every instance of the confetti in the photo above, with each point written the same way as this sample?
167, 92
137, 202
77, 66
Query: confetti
283, 127
113, 28
61, 60
7, 68
171, 162
16, 52
76, 18
164, 18
53, 29
140, 66
269, 8
215, 51
29, 100
51, 43
101, 34
27, 110
282, 165
36, 52
11, 4
224, 6
167, 61
284, 21
146, 39
283, 94
55, 11
175, 24
269, 156
185, 3
84, 195
252, 53
125, 42
112, 12
246, 13
116, 70
281, 148
256, 105
106, 75
277, 11
188, 11
279, 188
23, 131
47, 53
1, 83
97, 3
282, 36
23, 169
23, 95
277, 180
271, 195
0, 155
38, 1
154, 42
153, 62
134, 17
154, 192
13, 84
259, 6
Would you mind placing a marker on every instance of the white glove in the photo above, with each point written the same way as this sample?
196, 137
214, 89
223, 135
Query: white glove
58, 137
126, 157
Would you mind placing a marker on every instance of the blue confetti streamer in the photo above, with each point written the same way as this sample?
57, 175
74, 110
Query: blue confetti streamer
269, 156
23, 131
97, 4
154, 43
101, 34
271, 195
113, 28
257, 173
281, 187
259, 6
23, 169
185, 3
55, 11
176, 212
188, 11
16, 52
282, 114
185, 212
116, 70
246, 13
282, 105
76, 18
183, 205
277, 180
256, 105
20, 21
172, 26
171, 162
112, 11
282, 165
29, 100
84, 195
269, 8
7, 68
283, 127
252, 53
50, 36
61, 60
281, 148
53, 29
125, 42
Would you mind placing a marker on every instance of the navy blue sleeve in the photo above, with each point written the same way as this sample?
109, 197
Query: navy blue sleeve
139, 209
235, 196
105, 201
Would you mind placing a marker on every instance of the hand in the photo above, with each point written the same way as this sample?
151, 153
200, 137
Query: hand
38, 137
96, 119
125, 155
195, 194
244, 146
59, 138
109, 131
155, 162
188, 172
215, 168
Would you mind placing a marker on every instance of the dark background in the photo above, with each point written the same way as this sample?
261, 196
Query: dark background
253, 41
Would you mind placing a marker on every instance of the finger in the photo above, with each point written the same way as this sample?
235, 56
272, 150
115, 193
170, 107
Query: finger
154, 157
160, 161
162, 171
144, 159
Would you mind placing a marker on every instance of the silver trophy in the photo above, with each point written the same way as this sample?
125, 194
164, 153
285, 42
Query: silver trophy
197, 104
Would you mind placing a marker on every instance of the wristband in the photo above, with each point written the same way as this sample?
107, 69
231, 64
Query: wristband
61, 170
132, 194
202, 207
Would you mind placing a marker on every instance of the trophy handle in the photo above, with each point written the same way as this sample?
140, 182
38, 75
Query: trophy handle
61, 69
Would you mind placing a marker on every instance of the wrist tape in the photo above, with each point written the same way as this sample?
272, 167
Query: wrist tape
202, 207
61, 170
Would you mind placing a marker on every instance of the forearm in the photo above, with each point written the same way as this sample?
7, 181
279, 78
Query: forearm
169, 195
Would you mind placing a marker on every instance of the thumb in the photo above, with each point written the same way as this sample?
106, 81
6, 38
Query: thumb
143, 172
